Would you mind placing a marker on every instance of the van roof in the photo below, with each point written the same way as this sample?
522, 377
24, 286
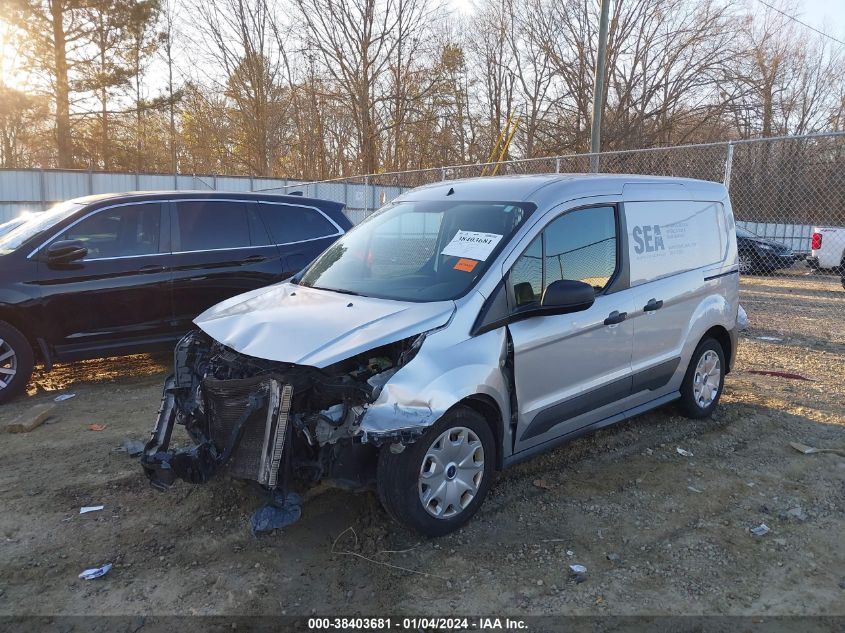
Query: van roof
537, 187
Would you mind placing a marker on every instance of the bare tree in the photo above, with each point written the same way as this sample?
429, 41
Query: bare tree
492, 50
357, 42
240, 39
788, 82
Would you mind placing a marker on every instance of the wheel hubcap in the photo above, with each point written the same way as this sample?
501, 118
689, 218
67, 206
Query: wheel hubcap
8, 364
451, 472
708, 376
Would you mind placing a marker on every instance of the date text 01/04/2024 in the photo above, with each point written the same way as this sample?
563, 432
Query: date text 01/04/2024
417, 623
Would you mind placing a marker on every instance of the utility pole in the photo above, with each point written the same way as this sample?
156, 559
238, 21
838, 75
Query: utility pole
598, 88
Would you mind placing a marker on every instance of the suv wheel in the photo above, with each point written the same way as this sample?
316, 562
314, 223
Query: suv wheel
437, 483
704, 380
748, 264
16, 362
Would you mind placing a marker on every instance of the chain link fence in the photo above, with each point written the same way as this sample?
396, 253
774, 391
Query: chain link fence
788, 193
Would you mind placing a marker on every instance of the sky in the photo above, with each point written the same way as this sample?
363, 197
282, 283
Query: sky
821, 13
817, 13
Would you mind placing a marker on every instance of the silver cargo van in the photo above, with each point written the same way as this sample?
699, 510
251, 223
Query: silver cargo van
465, 326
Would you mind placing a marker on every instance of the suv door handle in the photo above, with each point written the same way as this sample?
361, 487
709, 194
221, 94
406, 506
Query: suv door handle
652, 305
253, 259
615, 317
153, 268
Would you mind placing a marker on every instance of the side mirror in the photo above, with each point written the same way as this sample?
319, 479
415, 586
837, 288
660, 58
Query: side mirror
565, 295
65, 252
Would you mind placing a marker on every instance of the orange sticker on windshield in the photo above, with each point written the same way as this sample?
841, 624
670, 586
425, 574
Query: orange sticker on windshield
466, 265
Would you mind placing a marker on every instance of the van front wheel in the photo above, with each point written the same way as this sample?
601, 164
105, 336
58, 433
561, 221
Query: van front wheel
704, 380
436, 484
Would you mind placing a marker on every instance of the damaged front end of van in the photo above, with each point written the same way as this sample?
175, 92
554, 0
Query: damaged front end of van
264, 399
267, 421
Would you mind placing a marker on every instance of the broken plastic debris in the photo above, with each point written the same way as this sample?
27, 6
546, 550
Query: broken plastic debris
63, 397
693, 489
96, 572
87, 509
684, 452
760, 530
542, 483
281, 512
133, 447
809, 450
96, 427
578, 572
769, 338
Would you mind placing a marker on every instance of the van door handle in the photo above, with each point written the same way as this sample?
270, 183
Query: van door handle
253, 259
152, 268
615, 317
652, 305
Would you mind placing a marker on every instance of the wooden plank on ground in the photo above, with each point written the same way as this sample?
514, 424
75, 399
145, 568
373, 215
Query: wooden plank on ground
30, 419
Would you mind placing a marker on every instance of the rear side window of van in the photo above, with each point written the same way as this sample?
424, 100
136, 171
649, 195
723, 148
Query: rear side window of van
668, 237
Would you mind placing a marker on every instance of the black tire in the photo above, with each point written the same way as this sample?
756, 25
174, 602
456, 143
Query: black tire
22, 362
399, 475
689, 405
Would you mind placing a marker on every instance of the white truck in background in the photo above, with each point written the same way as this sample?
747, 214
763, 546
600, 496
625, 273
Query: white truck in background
828, 248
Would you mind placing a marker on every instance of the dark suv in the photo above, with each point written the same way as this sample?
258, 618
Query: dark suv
759, 256
122, 273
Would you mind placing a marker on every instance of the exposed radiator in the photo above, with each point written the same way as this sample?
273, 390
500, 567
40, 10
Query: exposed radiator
257, 454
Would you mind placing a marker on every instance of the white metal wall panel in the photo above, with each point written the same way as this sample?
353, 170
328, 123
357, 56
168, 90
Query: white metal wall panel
232, 183
16, 186
112, 183
9, 210
154, 182
64, 185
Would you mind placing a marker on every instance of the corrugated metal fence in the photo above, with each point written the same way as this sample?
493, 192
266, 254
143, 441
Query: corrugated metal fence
780, 188
38, 189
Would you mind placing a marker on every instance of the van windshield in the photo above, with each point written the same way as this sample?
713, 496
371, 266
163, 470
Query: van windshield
418, 250
38, 223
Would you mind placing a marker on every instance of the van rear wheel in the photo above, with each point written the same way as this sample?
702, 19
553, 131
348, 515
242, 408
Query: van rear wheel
16, 362
704, 380
436, 484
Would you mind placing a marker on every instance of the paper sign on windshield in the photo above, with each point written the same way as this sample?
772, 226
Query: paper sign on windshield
472, 245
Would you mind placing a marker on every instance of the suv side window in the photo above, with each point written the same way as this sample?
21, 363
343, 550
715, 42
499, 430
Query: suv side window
579, 245
289, 223
211, 224
121, 231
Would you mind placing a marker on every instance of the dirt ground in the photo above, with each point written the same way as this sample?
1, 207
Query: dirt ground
659, 532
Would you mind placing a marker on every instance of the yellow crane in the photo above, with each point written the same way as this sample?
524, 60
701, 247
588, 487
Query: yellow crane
500, 149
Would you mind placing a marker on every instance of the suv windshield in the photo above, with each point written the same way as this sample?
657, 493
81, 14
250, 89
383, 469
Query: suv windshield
38, 223
744, 233
418, 251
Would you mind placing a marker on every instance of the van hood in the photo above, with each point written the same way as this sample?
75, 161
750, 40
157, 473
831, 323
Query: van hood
294, 324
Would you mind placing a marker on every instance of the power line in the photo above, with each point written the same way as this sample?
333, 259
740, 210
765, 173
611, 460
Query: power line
794, 19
